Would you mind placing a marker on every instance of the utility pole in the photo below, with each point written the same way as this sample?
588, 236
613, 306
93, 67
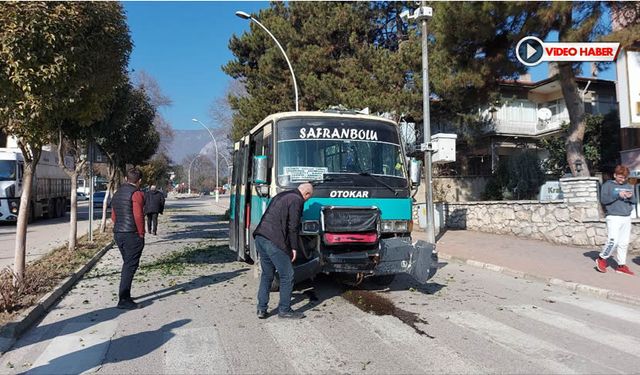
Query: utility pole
423, 14
90, 156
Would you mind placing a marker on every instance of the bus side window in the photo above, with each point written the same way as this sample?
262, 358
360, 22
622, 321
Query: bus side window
257, 141
268, 151
234, 160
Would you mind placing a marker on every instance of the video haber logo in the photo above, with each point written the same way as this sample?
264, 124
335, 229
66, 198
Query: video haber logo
532, 51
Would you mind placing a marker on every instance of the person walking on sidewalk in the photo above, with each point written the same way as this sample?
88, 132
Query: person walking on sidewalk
276, 239
127, 214
153, 205
618, 199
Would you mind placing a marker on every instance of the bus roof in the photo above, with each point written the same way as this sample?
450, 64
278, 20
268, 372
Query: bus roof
343, 115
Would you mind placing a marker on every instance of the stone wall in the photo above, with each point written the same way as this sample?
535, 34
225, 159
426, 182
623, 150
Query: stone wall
576, 220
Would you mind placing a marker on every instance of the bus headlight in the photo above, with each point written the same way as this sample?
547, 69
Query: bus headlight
396, 226
13, 207
402, 226
387, 226
310, 227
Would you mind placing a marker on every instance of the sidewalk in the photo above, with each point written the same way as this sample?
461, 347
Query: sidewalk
570, 266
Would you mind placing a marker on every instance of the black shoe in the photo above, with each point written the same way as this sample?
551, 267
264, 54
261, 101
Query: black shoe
154, 233
291, 315
262, 314
127, 304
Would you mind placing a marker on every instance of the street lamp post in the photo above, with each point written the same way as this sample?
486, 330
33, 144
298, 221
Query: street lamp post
247, 16
189, 171
422, 15
229, 167
216, 146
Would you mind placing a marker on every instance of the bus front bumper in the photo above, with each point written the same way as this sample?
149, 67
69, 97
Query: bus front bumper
395, 256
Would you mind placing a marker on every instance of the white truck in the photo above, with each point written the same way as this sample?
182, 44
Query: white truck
51, 185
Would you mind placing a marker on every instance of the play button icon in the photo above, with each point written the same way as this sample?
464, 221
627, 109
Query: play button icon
529, 50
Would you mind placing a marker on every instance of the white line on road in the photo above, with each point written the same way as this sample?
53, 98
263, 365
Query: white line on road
81, 347
624, 343
513, 340
606, 308
194, 351
428, 352
306, 348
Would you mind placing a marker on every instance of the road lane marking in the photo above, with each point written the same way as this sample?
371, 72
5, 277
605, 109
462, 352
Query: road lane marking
429, 352
514, 340
193, 351
623, 343
306, 348
613, 310
80, 347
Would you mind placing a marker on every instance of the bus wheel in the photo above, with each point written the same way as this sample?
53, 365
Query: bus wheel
383, 280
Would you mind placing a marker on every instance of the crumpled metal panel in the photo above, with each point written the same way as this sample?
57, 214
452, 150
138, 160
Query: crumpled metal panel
399, 255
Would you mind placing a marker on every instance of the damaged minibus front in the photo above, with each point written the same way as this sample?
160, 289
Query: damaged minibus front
358, 222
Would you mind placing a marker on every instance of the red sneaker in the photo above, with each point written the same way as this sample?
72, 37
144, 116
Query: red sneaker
624, 269
601, 265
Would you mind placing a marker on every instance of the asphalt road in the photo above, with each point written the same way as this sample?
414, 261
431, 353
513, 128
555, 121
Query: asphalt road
44, 234
198, 316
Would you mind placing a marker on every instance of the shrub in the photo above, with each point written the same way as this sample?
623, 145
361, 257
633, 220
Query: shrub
518, 177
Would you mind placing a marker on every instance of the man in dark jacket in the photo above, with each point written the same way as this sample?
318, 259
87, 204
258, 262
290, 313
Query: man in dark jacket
127, 214
153, 205
276, 239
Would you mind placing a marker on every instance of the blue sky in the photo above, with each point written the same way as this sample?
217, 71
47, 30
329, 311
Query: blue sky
183, 45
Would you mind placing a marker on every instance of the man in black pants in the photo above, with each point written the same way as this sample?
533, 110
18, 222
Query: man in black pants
277, 243
153, 205
127, 214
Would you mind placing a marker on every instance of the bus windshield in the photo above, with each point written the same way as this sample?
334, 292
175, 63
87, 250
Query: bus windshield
7, 170
312, 148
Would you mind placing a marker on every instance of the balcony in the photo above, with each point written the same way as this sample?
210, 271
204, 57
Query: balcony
520, 118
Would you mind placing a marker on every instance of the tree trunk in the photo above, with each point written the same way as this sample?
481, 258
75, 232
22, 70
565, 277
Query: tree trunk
577, 125
23, 218
78, 165
103, 222
73, 214
110, 188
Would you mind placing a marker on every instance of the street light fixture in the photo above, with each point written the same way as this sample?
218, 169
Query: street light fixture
216, 146
247, 16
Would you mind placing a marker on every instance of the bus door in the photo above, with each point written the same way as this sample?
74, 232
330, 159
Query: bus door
259, 192
233, 199
244, 200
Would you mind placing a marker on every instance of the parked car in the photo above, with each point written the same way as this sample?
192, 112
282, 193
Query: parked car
82, 196
98, 198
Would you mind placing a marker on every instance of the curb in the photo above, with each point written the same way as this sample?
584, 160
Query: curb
577, 287
10, 332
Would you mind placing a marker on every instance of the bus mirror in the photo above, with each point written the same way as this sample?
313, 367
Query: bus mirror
260, 169
262, 190
414, 172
